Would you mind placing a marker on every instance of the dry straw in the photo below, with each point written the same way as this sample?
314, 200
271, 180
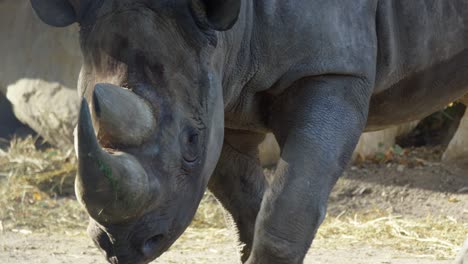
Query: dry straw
36, 195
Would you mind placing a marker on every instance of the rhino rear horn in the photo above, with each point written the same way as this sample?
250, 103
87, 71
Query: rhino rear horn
122, 117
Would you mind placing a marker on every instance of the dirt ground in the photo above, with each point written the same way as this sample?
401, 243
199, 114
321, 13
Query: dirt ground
52, 249
414, 186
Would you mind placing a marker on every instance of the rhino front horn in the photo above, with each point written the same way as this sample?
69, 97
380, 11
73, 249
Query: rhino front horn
122, 117
112, 187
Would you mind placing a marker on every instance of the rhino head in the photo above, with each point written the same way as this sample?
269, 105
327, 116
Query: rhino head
151, 123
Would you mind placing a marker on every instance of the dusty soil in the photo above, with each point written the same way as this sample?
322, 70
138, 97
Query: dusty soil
52, 249
413, 185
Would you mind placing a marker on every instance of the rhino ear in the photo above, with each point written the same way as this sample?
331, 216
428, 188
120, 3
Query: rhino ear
221, 15
57, 13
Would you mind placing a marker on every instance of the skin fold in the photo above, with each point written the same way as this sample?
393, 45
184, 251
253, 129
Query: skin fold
201, 82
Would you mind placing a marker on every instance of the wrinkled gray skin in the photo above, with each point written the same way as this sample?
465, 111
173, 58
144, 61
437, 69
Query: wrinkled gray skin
316, 73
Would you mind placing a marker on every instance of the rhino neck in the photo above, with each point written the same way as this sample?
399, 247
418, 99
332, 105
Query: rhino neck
239, 63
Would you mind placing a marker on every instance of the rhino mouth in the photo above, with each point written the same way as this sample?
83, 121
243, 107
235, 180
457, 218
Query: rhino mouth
143, 246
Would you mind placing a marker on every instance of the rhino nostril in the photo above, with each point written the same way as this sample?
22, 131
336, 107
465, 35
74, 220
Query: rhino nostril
151, 244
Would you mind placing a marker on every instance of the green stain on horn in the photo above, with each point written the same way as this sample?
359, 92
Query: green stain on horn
107, 171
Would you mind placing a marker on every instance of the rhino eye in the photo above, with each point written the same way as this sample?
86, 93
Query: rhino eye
190, 144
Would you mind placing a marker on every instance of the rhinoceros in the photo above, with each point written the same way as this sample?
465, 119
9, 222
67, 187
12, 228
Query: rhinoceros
177, 94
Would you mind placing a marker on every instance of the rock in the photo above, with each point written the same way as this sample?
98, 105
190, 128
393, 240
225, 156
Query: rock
269, 151
401, 168
371, 143
458, 146
49, 108
457, 150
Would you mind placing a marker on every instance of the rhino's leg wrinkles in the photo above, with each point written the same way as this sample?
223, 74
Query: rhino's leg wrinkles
317, 123
239, 184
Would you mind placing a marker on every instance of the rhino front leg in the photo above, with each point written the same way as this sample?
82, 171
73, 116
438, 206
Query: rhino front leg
239, 184
317, 123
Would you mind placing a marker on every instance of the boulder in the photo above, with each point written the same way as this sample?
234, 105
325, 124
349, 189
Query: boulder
457, 149
371, 143
269, 151
49, 108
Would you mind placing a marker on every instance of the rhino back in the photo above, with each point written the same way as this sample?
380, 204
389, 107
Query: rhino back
299, 38
422, 59
413, 35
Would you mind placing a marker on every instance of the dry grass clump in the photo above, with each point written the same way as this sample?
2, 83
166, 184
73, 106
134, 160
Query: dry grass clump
35, 188
210, 214
439, 238
50, 170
